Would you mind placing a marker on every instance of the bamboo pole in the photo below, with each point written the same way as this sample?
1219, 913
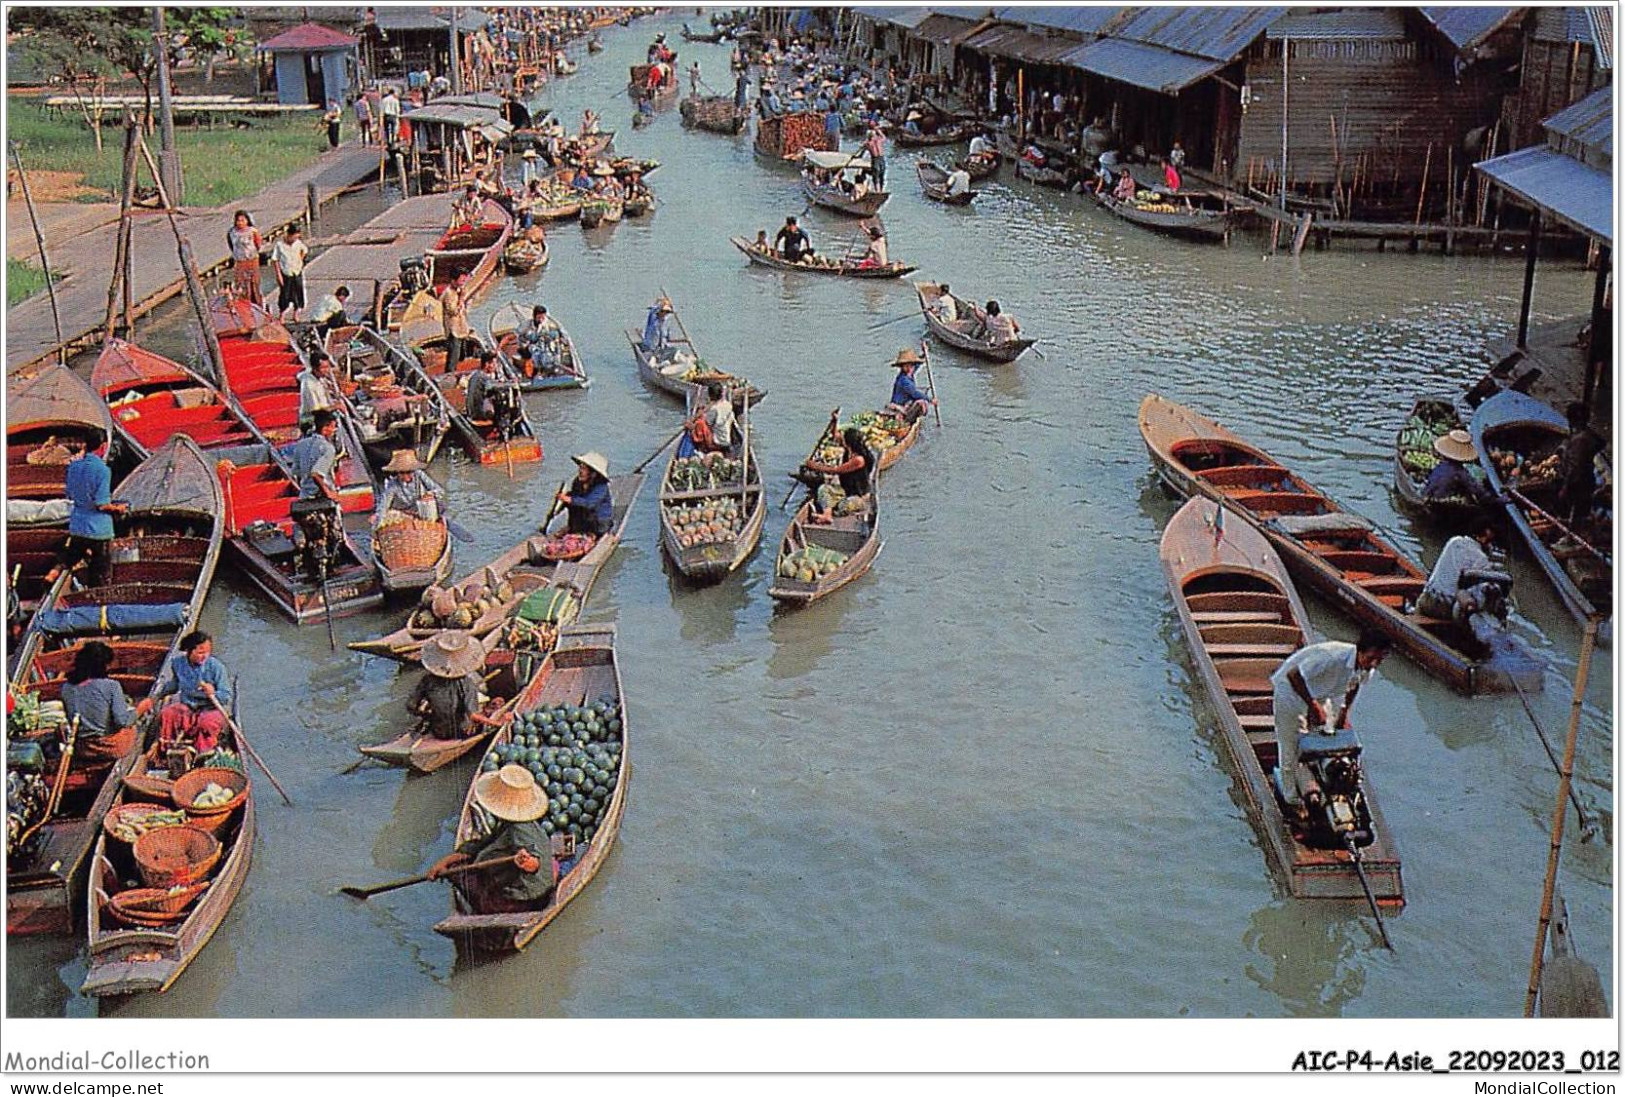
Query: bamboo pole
194, 288
121, 245
1560, 815
44, 260
1422, 194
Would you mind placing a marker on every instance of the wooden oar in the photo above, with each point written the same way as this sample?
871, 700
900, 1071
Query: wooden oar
1566, 531
395, 885
930, 380
248, 749
894, 320
645, 463
557, 506
834, 420
687, 338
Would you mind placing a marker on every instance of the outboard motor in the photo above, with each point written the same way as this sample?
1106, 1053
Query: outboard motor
317, 534
1329, 773
506, 408
414, 274
1492, 590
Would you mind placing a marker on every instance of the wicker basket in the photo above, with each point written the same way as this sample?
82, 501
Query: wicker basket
189, 787
153, 907
410, 543
175, 855
116, 816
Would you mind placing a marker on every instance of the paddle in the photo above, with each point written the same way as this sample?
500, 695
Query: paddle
248, 749
557, 506
395, 885
459, 532
936, 406
1565, 530
663, 446
834, 421
687, 338
893, 320
1041, 354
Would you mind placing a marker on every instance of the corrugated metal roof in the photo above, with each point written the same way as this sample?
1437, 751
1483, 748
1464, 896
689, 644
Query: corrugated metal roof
898, 17
1013, 42
462, 116
1563, 25
1467, 27
946, 29
406, 17
1589, 122
308, 38
1365, 24
487, 99
1141, 65
1220, 34
1086, 22
1560, 185
1602, 35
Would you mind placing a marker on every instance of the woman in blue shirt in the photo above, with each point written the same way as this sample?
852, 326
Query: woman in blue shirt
591, 509
196, 679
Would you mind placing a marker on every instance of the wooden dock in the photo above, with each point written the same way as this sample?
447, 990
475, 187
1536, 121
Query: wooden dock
368, 260
81, 261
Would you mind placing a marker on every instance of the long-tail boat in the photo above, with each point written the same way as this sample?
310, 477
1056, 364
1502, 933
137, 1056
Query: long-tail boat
523, 568
1339, 553
1242, 619
162, 559
506, 439
393, 404
154, 398
1517, 438
582, 669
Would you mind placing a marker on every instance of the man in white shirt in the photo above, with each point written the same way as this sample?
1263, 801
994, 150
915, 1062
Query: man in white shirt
329, 312
958, 182
719, 416
980, 146
947, 306
1444, 596
1304, 683
316, 392
288, 261
389, 113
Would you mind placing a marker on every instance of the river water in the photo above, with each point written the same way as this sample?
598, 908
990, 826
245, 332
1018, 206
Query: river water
982, 780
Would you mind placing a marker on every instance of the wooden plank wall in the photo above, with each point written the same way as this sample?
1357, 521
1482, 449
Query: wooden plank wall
1554, 74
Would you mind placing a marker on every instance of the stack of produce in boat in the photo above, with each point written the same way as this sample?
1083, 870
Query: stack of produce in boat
574, 753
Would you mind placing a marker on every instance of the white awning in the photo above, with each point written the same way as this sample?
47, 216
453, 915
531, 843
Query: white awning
833, 161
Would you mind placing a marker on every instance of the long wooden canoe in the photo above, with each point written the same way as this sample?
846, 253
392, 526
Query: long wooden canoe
1512, 423
707, 557
153, 398
163, 556
135, 959
1242, 618
934, 182
834, 198
394, 405
979, 170
523, 568
857, 536
1041, 176
1197, 220
959, 333
53, 405
1431, 417
693, 389
842, 269
481, 439
582, 666
422, 752
951, 134
1339, 553
503, 327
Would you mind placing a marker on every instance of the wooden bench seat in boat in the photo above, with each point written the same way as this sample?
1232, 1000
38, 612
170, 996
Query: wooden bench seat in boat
1362, 562
1408, 585
1278, 502
1246, 675
1243, 476
1223, 651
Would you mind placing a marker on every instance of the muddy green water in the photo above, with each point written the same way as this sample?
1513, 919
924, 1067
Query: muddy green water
982, 780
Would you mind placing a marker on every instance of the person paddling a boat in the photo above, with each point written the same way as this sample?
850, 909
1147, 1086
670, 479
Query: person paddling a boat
657, 330
850, 492
446, 700
515, 803
1304, 683
908, 401
591, 509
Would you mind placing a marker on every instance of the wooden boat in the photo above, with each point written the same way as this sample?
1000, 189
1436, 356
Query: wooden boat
53, 405
482, 440
163, 558
710, 36
831, 196
523, 568
502, 328
1194, 216
565, 207
134, 959
709, 558
393, 405
842, 269
1042, 176
409, 575
687, 378
903, 439
979, 170
523, 256
1242, 618
716, 113
1339, 553
1431, 418
596, 45
154, 398
638, 83
638, 205
262, 367
951, 134
583, 665
422, 752
1515, 431
783, 139
934, 181
474, 250
958, 333
592, 213
856, 536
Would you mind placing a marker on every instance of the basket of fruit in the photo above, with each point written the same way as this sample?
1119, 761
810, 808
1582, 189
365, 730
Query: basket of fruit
406, 541
567, 546
209, 795
171, 856
127, 822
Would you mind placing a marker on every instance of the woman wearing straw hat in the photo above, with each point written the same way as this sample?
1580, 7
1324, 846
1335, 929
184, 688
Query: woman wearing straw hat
1450, 478
446, 700
410, 490
515, 802
907, 398
592, 511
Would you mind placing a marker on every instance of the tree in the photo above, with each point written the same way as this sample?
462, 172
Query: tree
86, 47
207, 33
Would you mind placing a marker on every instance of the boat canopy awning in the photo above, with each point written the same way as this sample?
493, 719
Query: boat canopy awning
1580, 196
834, 161
486, 99
461, 117
945, 30
1143, 66
1021, 45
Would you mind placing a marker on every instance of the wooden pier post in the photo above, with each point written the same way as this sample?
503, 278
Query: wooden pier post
121, 244
44, 260
313, 209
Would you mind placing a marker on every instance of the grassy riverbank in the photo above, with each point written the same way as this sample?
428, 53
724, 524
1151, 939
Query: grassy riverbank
23, 280
221, 165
